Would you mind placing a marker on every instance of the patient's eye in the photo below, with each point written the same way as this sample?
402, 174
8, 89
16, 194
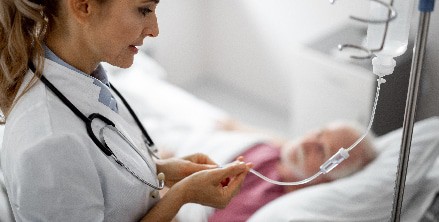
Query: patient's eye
314, 150
321, 151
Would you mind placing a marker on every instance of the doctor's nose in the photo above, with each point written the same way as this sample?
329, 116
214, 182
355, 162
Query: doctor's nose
151, 29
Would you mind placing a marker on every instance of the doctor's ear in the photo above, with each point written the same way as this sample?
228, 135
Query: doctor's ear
82, 10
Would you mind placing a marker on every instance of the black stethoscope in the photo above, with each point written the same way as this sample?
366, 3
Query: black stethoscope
110, 125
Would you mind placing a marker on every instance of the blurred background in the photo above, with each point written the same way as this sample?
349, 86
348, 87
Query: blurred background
275, 64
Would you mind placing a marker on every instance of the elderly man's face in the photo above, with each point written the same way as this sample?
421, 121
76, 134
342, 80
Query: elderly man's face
304, 156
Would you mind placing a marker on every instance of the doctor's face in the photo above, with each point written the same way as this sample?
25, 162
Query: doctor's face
119, 28
304, 156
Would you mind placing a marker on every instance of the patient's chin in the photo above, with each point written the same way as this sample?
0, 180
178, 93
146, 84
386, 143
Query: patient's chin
290, 173
301, 175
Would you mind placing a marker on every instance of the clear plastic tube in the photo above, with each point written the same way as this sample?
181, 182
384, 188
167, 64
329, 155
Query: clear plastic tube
285, 183
337, 158
377, 94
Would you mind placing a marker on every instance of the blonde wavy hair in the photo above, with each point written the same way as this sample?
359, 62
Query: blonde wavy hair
23, 26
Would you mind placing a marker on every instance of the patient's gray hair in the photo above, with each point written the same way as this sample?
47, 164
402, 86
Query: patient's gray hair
367, 144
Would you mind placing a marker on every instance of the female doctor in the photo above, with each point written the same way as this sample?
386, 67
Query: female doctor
73, 150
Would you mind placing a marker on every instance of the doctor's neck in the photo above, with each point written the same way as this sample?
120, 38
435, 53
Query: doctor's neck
73, 52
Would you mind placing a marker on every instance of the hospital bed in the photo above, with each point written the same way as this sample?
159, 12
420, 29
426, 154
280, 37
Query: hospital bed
364, 196
184, 124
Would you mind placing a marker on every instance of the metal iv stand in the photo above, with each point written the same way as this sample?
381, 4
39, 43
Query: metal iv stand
425, 8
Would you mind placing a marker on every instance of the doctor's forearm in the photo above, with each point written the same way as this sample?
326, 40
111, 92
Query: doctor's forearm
168, 206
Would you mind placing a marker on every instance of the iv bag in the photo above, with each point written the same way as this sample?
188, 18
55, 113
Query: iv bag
395, 43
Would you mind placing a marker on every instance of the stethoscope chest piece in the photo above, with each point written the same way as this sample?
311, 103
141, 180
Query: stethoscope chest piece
154, 194
161, 177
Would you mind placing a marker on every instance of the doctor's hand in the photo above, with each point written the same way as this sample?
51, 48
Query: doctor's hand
214, 187
176, 169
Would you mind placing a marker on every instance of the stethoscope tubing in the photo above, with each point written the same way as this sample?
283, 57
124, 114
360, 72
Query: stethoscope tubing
147, 139
136, 119
105, 149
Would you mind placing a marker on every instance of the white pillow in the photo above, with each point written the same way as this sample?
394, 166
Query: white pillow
368, 194
168, 112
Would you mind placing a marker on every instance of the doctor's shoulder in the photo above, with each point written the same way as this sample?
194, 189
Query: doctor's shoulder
35, 118
51, 173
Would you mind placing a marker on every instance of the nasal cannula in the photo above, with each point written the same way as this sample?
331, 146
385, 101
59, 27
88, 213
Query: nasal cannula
337, 158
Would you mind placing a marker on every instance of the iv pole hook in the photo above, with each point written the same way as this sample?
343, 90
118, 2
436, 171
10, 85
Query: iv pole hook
375, 21
392, 16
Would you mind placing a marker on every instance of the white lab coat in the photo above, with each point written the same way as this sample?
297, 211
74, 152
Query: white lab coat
54, 172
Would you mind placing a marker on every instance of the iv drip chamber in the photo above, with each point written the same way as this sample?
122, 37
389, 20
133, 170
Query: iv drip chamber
396, 37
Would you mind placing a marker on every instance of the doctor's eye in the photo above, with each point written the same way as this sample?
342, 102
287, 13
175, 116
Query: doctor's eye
144, 11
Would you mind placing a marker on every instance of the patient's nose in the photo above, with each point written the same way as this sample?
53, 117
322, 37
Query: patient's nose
313, 149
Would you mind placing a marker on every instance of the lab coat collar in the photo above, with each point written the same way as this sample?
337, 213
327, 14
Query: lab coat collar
99, 76
81, 90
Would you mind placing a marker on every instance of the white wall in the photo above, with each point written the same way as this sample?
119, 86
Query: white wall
181, 40
251, 45
247, 44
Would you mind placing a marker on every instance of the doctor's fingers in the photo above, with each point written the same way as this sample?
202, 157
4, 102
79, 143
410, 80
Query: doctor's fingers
204, 191
232, 186
229, 171
228, 188
191, 168
200, 159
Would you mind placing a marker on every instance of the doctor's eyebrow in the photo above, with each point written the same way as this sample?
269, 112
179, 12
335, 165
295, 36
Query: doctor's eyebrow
148, 1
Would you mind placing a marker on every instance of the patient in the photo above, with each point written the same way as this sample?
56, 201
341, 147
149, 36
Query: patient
294, 161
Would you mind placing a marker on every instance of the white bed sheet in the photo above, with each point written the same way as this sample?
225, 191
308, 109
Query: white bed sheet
366, 195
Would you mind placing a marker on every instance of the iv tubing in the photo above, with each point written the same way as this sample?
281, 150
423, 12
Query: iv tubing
380, 80
309, 179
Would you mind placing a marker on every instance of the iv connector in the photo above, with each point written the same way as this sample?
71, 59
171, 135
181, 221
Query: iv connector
336, 159
383, 66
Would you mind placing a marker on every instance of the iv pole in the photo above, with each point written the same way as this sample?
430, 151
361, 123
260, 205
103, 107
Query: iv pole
425, 8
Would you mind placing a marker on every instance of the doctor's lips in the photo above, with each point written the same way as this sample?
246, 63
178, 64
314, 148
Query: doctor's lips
134, 48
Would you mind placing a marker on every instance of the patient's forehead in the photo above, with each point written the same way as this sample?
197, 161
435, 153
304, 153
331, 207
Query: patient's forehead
332, 130
338, 135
